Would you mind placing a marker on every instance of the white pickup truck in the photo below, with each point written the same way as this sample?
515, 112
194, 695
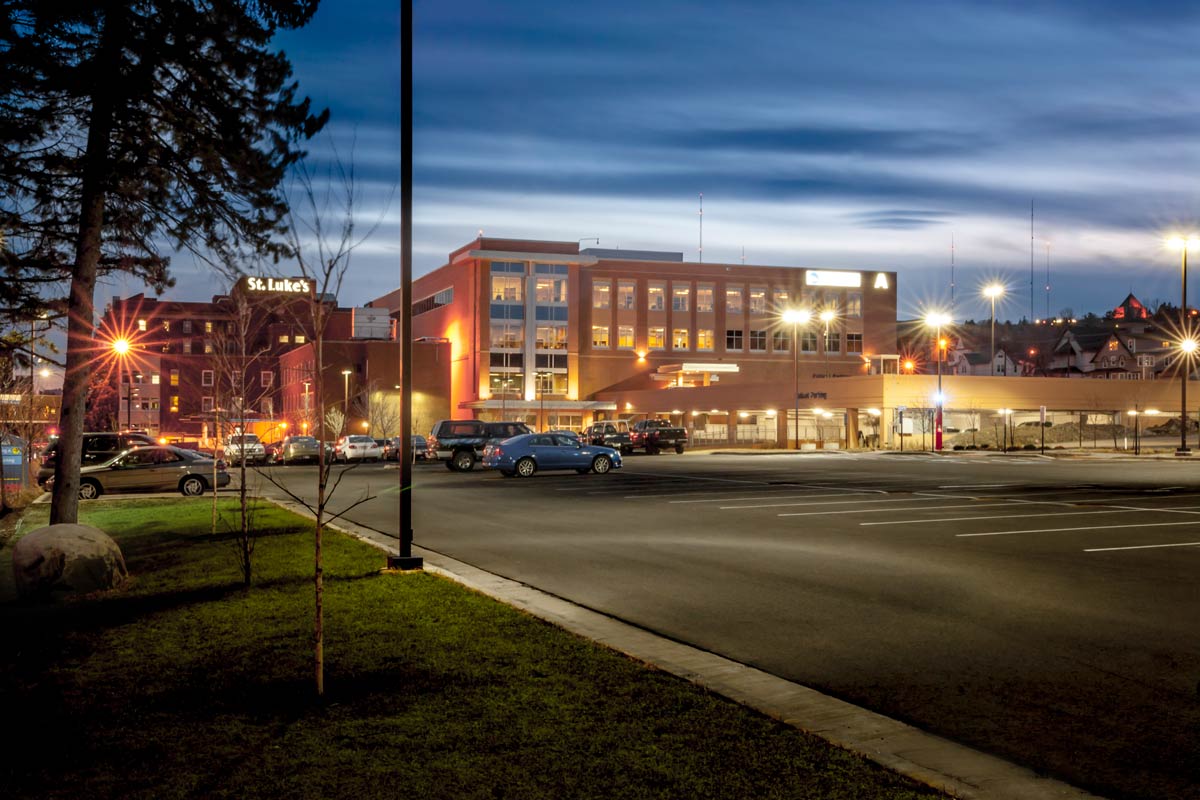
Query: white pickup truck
244, 445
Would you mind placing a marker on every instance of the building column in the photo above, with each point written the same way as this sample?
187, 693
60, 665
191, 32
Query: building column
851, 415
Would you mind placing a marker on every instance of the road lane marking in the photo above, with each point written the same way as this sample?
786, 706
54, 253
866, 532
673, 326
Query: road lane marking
1141, 547
825, 503
981, 485
1085, 528
882, 511
848, 493
997, 516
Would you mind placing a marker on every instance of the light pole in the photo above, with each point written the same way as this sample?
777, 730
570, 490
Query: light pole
345, 400
121, 348
993, 291
936, 321
541, 386
826, 316
796, 317
1187, 344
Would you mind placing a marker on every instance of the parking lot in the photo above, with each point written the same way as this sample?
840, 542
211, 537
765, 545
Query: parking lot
1036, 608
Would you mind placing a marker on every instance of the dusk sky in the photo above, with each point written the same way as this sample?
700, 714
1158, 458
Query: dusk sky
858, 136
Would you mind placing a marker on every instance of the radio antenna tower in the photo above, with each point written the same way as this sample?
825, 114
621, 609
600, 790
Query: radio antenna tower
700, 249
952, 273
1047, 280
1031, 310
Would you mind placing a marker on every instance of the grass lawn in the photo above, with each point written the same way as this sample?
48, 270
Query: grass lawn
186, 685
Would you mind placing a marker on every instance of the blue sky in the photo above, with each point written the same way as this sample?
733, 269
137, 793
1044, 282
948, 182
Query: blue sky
862, 136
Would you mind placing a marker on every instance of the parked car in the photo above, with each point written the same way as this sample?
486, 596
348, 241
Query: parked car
97, 449
526, 454
271, 452
460, 442
247, 446
610, 433
299, 448
357, 447
160, 468
391, 450
655, 435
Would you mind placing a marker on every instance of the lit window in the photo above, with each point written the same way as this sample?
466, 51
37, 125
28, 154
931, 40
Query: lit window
655, 297
733, 302
187, 346
854, 305
507, 288
300, 338
208, 327
154, 379
174, 402
507, 335
600, 336
680, 297
208, 347
174, 381
551, 291
1112, 345
679, 339
758, 301
141, 324
625, 337
655, 338
601, 294
626, 295
167, 325
551, 337
283, 338
704, 339
704, 298
758, 341
206, 378
781, 299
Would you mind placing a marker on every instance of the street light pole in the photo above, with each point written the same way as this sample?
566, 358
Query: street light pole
992, 292
1186, 364
345, 400
936, 321
826, 317
797, 317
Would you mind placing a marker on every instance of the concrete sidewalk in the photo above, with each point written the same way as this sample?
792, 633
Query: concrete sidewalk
953, 768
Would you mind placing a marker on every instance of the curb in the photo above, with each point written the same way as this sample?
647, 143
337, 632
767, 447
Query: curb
929, 759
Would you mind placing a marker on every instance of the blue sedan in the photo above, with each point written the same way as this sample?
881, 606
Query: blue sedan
525, 454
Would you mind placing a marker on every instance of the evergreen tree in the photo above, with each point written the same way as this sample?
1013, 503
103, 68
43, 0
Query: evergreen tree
130, 129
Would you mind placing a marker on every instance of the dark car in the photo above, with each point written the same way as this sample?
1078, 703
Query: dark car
391, 450
97, 448
460, 442
160, 468
525, 455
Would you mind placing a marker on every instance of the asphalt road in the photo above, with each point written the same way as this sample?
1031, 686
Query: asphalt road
1043, 610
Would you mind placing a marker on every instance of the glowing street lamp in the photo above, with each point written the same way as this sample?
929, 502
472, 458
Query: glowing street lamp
992, 291
796, 317
1187, 343
121, 347
936, 321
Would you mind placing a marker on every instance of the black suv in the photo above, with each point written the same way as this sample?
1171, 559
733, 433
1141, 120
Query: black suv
460, 442
97, 448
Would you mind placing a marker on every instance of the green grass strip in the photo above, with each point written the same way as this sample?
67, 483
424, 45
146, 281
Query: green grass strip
184, 685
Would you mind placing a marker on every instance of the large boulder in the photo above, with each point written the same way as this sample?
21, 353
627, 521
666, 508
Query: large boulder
75, 559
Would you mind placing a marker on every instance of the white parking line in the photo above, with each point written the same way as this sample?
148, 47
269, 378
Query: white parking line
980, 485
1141, 547
1086, 528
997, 516
824, 503
1008, 504
846, 493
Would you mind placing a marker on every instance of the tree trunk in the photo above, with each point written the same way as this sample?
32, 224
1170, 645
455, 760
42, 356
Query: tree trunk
318, 559
64, 506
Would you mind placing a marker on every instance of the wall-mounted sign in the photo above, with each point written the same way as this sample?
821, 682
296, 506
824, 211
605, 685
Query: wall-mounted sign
824, 277
881, 281
280, 285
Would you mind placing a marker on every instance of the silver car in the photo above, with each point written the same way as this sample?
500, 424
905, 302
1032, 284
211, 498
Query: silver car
160, 468
299, 448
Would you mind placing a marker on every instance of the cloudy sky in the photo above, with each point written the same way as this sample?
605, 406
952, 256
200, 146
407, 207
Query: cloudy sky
867, 135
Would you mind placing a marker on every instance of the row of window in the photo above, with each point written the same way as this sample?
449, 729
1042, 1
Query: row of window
757, 300
266, 378
735, 340
443, 298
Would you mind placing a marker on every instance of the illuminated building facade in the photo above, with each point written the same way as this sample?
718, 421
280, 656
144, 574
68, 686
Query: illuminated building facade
540, 330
